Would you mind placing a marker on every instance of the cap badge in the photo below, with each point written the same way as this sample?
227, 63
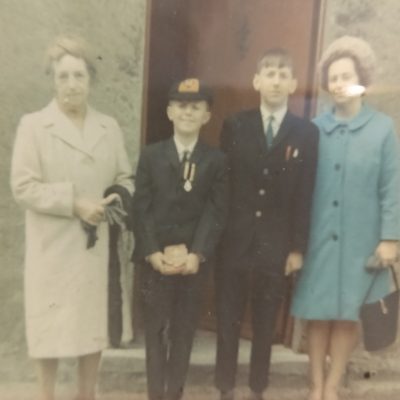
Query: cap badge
189, 86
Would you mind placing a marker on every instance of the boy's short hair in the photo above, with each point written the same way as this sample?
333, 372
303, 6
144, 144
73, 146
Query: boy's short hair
275, 57
190, 90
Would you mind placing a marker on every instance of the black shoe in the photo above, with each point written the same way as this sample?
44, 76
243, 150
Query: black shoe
227, 395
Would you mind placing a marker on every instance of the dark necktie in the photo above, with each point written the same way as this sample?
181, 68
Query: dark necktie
269, 133
185, 156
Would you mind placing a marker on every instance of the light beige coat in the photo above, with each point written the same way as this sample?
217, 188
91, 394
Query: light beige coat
65, 283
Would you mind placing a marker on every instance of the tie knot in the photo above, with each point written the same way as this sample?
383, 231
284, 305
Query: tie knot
185, 155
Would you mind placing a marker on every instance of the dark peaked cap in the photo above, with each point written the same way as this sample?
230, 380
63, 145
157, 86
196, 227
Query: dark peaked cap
190, 90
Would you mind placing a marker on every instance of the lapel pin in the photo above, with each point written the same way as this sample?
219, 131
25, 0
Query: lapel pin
288, 150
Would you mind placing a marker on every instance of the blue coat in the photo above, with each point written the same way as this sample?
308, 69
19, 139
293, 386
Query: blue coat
355, 206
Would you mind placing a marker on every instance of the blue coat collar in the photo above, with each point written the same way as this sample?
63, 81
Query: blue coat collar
329, 123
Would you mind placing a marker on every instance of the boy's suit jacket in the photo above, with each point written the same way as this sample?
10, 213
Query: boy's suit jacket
270, 189
165, 214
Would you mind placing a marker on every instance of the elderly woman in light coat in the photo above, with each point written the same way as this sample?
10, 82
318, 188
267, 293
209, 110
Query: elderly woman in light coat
356, 214
65, 157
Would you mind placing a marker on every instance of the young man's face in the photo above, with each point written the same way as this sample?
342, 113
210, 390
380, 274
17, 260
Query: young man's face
275, 84
188, 116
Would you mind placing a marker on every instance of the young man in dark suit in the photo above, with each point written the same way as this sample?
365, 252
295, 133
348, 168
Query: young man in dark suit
180, 208
272, 156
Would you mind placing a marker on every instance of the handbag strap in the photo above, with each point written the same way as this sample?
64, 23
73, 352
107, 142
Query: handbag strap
396, 283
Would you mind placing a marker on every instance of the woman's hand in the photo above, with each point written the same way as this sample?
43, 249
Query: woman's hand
89, 211
110, 199
387, 251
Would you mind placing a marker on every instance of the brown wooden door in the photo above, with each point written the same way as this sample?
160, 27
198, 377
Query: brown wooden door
221, 41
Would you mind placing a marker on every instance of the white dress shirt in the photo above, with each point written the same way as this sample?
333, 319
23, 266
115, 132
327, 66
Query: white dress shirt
278, 118
181, 149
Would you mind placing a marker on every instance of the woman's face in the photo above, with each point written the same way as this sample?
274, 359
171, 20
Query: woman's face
343, 81
71, 80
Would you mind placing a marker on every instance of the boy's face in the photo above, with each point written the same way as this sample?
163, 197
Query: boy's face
275, 84
188, 116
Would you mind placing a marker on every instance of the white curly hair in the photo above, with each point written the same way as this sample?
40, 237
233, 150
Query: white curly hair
349, 47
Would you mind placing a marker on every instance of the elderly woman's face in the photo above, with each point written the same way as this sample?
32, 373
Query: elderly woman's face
343, 81
71, 79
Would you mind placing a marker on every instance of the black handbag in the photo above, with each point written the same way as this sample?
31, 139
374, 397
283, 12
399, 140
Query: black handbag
379, 319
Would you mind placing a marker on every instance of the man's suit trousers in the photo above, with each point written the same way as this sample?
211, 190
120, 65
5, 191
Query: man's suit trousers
266, 291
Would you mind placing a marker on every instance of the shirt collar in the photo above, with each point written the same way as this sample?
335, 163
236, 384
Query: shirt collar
329, 122
278, 114
182, 148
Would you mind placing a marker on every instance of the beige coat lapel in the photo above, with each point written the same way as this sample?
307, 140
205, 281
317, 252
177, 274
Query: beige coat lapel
94, 129
60, 126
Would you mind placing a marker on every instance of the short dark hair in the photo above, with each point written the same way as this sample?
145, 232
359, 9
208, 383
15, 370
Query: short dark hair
74, 46
276, 57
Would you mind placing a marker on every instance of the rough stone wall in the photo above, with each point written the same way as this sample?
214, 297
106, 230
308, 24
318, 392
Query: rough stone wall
378, 23
115, 29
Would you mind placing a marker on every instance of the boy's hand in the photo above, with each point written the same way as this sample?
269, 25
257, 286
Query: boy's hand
192, 264
387, 252
156, 260
172, 269
294, 262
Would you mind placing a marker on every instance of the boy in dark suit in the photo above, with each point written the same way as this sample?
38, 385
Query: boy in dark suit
272, 156
179, 214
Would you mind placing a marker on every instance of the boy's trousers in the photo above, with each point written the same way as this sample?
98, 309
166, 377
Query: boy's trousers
172, 306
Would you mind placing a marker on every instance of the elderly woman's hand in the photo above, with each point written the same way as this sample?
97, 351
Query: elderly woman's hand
110, 199
387, 251
89, 211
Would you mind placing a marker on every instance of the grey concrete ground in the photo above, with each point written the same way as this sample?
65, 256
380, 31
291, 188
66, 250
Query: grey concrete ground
122, 376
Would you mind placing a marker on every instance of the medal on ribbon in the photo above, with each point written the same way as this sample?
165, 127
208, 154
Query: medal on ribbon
189, 170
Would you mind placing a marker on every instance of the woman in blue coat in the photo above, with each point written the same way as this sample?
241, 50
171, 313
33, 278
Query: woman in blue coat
356, 214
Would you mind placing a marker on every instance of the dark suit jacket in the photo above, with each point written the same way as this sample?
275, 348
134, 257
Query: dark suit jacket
165, 214
270, 189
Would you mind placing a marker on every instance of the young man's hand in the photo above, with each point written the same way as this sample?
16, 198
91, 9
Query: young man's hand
387, 252
192, 264
294, 262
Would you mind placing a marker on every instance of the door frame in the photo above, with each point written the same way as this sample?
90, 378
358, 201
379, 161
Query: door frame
310, 107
